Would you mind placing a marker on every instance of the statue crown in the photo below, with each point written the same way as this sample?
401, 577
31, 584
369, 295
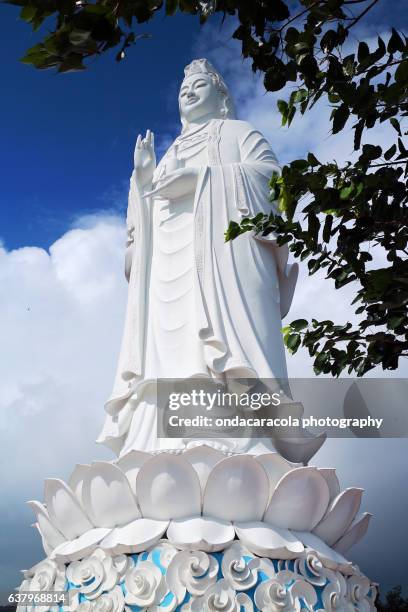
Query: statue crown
199, 66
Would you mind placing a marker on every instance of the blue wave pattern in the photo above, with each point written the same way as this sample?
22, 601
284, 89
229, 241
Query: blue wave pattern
164, 578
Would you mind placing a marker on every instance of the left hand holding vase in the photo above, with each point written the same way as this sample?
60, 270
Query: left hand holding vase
176, 184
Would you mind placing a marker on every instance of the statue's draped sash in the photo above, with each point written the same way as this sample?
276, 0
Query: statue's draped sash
242, 288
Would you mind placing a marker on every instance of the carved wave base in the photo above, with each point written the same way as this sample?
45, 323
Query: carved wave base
201, 530
235, 580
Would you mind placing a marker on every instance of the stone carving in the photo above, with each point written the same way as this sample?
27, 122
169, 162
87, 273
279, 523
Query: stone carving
164, 578
275, 509
198, 306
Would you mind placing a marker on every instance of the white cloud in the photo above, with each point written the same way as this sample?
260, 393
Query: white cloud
61, 319
61, 314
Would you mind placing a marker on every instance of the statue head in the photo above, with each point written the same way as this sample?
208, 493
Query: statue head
203, 93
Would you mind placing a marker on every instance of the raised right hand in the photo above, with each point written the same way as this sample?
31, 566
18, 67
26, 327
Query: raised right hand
145, 160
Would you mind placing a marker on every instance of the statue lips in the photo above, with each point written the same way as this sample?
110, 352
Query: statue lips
192, 100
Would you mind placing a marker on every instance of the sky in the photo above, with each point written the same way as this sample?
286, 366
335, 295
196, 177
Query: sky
65, 159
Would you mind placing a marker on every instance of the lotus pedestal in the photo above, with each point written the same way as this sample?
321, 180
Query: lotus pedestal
201, 531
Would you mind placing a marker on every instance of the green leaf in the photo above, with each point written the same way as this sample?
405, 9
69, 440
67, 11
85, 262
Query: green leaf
346, 192
395, 43
320, 362
292, 111
233, 231
358, 131
299, 164
275, 77
300, 95
391, 152
72, 63
370, 152
363, 51
396, 125
395, 321
286, 330
38, 57
340, 116
292, 35
312, 160
284, 110
299, 324
28, 13
402, 148
313, 265
329, 40
334, 98
293, 342
171, 6
328, 223
401, 73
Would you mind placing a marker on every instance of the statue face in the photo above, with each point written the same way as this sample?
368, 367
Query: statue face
198, 97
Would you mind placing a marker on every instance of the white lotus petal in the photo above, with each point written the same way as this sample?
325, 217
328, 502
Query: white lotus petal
237, 490
201, 533
299, 450
135, 537
299, 500
76, 480
47, 548
329, 557
130, 465
266, 541
357, 530
339, 517
168, 488
80, 547
49, 533
65, 510
203, 458
108, 497
330, 476
276, 467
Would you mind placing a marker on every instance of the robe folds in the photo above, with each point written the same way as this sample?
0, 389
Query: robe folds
240, 289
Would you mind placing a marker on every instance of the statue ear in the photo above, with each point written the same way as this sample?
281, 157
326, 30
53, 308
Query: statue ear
183, 123
227, 107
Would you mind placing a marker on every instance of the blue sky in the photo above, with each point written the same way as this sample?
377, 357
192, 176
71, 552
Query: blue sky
65, 158
67, 140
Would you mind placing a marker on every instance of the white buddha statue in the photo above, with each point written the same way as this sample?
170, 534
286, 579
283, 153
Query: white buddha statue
197, 305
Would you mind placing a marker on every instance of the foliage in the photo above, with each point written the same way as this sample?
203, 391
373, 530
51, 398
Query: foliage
352, 221
394, 602
347, 220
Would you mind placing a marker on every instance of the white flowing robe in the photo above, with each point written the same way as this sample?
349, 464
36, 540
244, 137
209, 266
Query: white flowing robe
198, 305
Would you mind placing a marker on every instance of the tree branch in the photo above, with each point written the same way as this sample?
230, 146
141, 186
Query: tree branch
299, 15
357, 19
394, 163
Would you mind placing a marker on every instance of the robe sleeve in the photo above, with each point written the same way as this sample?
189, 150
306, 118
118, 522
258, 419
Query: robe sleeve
252, 176
130, 239
256, 151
